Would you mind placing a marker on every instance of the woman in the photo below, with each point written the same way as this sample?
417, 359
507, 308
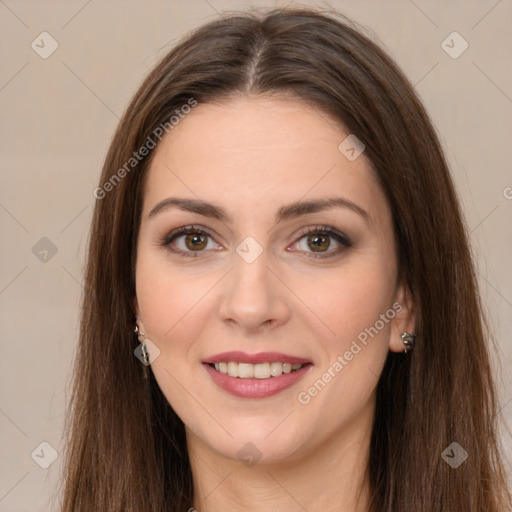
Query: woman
280, 307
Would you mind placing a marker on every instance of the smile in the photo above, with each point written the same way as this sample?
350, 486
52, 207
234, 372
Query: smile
255, 375
256, 371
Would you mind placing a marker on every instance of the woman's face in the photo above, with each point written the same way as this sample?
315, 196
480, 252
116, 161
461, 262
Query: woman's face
287, 272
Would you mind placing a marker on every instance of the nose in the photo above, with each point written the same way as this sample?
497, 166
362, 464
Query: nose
254, 299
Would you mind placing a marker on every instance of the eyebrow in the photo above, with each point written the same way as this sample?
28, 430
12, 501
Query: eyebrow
286, 212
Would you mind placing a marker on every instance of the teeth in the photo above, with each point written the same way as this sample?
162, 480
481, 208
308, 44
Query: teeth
261, 371
246, 371
276, 369
233, 369
256, 371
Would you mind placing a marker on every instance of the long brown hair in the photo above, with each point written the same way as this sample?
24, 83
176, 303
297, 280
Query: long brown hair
126, 447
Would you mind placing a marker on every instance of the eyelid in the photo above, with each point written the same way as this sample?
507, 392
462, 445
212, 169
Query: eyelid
340, 237
181, 231
324, 229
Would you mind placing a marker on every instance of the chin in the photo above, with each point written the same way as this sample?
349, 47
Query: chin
268, 442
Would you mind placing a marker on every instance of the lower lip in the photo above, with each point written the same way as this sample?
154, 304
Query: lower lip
256, 388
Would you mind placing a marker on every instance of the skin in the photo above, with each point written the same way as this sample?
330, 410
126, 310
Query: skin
251, 156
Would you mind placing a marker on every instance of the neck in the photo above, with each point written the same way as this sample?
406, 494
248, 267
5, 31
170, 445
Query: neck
329, 477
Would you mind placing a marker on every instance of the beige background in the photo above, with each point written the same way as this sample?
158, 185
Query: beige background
58, 116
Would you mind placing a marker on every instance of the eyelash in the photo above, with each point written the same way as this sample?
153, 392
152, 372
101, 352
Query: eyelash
319, 230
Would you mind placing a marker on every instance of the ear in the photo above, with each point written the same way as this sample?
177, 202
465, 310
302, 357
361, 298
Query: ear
138, 320
135, 305
405, 318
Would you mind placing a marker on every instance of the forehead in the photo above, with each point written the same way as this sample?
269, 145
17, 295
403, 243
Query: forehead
257, 152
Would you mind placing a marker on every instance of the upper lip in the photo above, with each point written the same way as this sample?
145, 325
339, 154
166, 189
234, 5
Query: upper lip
260, 357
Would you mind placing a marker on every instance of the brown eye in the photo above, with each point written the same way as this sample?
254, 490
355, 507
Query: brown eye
318, 243
322, 242
189, 241
196, 241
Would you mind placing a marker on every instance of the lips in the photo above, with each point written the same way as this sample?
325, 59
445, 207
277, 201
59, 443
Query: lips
255, 375
258, 371
261, 357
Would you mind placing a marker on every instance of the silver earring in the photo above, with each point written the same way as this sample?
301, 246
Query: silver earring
408, 341
139, 333
144, 350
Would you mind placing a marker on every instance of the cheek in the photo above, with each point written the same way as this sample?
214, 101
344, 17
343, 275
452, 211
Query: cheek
350, 298
350, 301
169, 301
173, 308
353, 357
